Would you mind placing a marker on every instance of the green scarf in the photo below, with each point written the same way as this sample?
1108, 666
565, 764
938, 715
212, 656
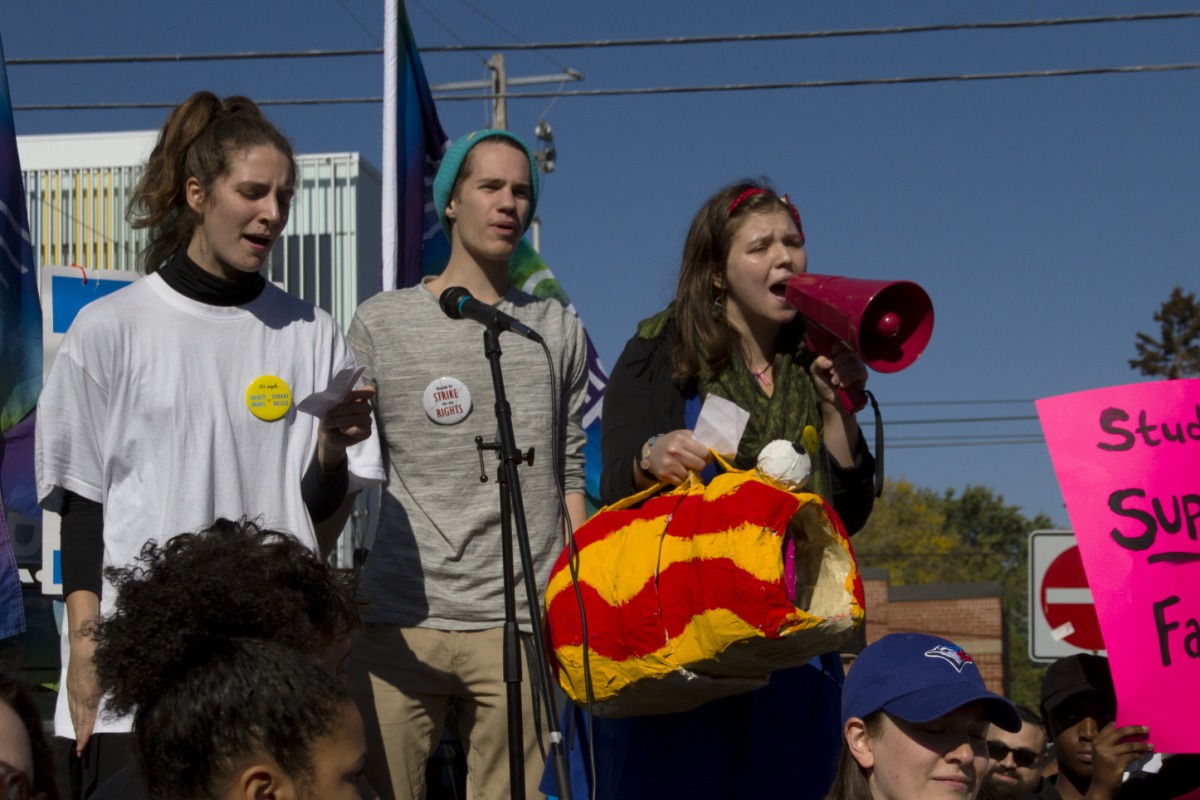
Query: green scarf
792, 407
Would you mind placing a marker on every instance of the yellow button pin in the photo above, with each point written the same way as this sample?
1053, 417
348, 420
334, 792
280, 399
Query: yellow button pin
268, 397
810, 441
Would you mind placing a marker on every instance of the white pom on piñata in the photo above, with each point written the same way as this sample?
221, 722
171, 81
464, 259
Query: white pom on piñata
785, 465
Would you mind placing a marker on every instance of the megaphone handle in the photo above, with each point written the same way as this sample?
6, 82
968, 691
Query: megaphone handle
853, 400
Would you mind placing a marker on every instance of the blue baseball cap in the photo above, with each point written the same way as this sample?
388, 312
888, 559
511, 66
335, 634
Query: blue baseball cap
918, 678
456, 154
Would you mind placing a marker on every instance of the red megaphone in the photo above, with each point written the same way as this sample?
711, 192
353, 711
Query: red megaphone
888, 323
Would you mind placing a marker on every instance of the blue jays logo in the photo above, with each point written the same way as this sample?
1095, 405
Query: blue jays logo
954, 656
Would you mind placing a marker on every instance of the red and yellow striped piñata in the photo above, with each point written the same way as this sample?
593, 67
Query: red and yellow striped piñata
686, 596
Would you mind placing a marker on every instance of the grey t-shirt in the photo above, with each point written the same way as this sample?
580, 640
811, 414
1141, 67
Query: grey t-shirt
436, 561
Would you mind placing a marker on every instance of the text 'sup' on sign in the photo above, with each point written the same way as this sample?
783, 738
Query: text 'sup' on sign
1062, 617
1125, 458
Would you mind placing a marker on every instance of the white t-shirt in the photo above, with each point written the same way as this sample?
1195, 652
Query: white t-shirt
146, 410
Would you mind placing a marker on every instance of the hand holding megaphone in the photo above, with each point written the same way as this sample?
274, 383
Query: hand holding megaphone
888, 323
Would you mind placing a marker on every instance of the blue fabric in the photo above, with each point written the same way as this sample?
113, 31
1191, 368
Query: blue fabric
420, 142
20, 338
12, 603
18, 485
691, 413
781, 740
20, 309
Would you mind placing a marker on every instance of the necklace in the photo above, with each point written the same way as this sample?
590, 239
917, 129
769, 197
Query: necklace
761, 374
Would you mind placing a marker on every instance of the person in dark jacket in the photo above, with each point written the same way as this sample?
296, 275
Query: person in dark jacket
1079, 704
729, 332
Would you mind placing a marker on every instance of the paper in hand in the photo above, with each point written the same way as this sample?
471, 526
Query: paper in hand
319, 403
720, 425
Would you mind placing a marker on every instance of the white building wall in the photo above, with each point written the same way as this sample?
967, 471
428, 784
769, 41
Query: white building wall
78, 186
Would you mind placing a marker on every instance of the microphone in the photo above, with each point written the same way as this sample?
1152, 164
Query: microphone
457, 303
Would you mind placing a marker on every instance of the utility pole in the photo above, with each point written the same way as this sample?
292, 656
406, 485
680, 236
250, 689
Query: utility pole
499, 92
499, 88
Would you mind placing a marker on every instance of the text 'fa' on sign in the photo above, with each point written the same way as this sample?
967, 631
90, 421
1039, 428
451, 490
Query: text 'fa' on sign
1062, 617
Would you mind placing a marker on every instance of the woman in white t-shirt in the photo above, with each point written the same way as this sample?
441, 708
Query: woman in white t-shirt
172, 402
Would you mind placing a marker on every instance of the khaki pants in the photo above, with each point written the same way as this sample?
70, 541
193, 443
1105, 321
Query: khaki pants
403, 681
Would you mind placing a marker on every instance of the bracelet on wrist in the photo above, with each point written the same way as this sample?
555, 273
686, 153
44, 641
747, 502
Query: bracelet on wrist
644, 463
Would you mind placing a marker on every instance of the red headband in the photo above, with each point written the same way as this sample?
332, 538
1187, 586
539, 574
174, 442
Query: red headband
741, 198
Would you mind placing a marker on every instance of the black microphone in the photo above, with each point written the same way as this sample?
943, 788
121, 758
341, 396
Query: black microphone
457, 303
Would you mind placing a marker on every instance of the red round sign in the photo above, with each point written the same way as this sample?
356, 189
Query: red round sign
1066, 572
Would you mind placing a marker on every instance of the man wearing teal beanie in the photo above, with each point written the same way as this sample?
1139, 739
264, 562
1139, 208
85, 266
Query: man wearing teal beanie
434, 576
450, 171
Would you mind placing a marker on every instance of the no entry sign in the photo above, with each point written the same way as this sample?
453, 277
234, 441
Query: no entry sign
1062, 618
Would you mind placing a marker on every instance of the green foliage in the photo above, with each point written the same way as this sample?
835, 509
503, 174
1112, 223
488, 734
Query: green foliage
921, 536
1176, 354
906, 533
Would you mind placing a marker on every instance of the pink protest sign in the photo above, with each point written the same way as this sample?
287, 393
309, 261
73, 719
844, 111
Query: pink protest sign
1128, 462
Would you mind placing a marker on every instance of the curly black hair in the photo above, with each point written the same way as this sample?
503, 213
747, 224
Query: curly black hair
230, 703
15, 694
232, 580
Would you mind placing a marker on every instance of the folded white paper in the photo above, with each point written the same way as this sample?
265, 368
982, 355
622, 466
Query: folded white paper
319, 403
720, 425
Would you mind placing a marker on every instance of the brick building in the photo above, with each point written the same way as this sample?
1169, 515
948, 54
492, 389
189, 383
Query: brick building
969, 614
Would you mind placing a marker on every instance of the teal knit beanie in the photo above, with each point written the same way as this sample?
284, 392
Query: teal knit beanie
443, 182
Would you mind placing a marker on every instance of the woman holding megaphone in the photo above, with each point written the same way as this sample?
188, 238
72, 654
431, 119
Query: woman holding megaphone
730, 332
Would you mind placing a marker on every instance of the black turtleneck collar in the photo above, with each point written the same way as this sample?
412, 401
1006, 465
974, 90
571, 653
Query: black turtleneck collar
190, 280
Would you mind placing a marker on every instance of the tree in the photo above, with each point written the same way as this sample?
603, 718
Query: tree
922, 536
996, 536
906, 534
1177, 353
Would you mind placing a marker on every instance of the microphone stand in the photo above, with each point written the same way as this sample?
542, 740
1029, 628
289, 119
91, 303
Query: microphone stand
512, 510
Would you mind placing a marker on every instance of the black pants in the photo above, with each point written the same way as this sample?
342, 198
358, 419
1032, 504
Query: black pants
106, 754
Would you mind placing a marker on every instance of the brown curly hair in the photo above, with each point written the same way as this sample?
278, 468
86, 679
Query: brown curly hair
198, 140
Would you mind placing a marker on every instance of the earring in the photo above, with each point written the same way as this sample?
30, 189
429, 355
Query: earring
717, 309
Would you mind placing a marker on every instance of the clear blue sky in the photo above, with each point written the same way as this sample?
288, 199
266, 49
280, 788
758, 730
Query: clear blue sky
1048, 218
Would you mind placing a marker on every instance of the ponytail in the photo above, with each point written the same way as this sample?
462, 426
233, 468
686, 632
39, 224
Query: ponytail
198, 140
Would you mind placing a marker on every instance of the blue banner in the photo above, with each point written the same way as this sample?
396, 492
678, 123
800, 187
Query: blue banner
20, 345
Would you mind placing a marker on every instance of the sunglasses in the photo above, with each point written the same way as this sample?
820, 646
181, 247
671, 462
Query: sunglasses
1022, 756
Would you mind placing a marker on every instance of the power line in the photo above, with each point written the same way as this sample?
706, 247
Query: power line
1054, 73
892, 404
181, 58
152, 104
505, 30
980, 443
852, 32
952, 420
362, 26
863, 557
974, 551
442, 25
963, 437
606, 43
650, 91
